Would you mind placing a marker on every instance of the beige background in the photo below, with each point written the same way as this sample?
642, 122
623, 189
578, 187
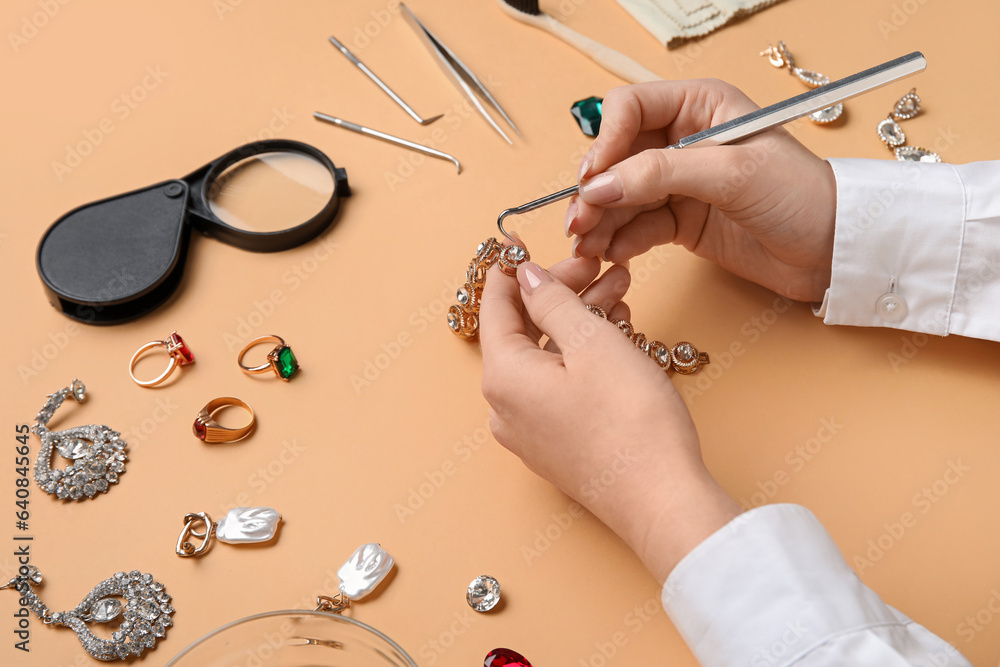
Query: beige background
339, 459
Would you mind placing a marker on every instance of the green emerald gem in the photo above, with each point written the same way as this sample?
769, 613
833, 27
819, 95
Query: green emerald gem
287, 364
588, 115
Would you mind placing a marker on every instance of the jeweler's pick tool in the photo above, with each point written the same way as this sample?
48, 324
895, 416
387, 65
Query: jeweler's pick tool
381, 84
764, 119
457, 71
361, 129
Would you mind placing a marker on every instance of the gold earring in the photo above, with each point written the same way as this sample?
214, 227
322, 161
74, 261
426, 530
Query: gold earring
779, 56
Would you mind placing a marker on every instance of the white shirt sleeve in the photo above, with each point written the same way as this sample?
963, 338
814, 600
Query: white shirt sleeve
771, 589
926, 235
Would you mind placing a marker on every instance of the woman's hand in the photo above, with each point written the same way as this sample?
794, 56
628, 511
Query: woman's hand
762, 208
593, 414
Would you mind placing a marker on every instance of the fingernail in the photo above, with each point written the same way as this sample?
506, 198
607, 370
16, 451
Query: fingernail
588, 160
532, 276
570, 217
572, 252
603, 188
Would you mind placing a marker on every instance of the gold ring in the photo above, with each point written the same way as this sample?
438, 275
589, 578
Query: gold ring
281, 359
176, 348
209, 430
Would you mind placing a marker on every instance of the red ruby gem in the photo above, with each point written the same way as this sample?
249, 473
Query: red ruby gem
200, 430
499, 657
185, 352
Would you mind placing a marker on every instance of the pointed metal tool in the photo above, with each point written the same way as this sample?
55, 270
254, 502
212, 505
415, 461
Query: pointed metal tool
460, 75
764, 119
361, 129
381, 84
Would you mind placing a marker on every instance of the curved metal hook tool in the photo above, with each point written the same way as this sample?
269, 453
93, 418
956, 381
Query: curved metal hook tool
361, 129
538, 203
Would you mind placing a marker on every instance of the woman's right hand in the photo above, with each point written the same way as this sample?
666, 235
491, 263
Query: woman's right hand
763, 208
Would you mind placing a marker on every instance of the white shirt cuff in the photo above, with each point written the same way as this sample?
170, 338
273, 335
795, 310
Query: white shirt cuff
771, 588
929, 234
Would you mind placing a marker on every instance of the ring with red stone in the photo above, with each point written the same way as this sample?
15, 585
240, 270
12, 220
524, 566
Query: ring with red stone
281, 360
177, 350
206, 428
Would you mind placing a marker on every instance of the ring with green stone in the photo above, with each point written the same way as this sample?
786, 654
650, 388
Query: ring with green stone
281, 359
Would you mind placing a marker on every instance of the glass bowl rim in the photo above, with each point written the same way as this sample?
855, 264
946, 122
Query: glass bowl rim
289, 612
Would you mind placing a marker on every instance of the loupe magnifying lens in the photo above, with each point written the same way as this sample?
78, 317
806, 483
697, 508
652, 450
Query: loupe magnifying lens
271, 192
119, 258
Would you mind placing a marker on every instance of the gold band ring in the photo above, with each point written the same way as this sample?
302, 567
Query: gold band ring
281, 359
209, 430
176, 348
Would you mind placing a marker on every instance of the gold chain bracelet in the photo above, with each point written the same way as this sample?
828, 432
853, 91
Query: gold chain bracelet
463, 318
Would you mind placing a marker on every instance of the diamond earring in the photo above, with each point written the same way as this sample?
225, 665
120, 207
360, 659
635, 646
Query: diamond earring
779, 56
97, 452
137, 598
891, 133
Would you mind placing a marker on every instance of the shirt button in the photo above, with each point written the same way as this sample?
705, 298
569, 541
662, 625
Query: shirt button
891, 307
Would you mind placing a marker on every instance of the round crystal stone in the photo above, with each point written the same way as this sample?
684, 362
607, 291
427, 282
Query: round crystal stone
463, 296
453, 321
685, 353
515, 253
483, 593
148, 610
106, 610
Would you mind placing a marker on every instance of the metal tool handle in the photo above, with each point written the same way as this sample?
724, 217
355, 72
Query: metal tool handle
361, 129
806, 103
381, 84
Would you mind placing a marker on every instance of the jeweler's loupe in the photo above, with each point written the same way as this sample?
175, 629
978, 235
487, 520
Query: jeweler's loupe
119, 258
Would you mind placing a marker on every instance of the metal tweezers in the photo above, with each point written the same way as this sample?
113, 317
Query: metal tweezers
460, 75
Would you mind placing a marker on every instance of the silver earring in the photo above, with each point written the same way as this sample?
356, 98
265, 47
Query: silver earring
891, 133
779, 56
96, 451
141, 601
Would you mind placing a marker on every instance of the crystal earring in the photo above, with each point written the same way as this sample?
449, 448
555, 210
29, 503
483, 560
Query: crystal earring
241, 525
97, 452
141, 601
463, 318
779, 56
891, 133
